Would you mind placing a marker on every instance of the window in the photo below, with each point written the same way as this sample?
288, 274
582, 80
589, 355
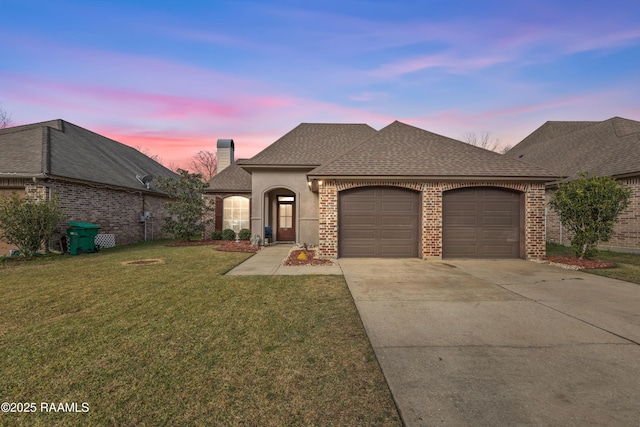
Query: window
235, 213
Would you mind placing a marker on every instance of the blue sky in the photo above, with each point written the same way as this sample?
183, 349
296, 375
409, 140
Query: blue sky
173, 77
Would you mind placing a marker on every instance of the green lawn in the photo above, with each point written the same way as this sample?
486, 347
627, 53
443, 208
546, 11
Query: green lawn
627, 265
177, 343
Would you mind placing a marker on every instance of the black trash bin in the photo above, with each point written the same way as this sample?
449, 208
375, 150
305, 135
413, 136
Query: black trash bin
81, 237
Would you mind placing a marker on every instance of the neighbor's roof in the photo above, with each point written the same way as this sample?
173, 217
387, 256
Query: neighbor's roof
607, 148
312, 144
61, 149
231, 179
400, 150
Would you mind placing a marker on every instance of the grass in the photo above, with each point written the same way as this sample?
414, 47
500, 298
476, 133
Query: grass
177, 343
627, 265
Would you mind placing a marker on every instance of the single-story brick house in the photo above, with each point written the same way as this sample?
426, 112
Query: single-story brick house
398, 192
607, 148
94, 178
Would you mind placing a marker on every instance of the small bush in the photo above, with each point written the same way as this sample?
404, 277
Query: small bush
228, 234
216, 235
244, 234
27, 223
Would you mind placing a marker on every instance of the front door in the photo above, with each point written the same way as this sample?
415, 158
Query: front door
286, 219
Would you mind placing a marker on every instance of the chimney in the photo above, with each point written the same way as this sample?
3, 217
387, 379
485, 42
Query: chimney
225, 153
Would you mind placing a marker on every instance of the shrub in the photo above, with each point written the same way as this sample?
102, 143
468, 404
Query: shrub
244, 234
28, 223
188, 206
216, 235
228, 234
589, 208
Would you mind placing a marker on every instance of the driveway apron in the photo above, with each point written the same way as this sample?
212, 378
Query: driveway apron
501, 342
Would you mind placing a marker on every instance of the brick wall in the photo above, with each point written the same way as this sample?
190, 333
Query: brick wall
431, 227
116, 211
626, 233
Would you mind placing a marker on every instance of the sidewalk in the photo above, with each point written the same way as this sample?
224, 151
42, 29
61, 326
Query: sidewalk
268, 262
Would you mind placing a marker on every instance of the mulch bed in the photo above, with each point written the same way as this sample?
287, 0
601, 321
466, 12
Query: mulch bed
221, 245
583, 264
292, 259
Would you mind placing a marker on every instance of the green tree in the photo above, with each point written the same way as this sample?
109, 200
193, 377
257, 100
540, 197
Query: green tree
189, 208
589, 208
28, 223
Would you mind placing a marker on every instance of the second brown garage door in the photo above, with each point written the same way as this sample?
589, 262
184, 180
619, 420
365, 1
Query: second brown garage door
378, 222
480, 223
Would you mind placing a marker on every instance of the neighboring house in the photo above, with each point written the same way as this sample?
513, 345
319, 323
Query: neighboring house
95, 179
230, 192
607, 148
398, 192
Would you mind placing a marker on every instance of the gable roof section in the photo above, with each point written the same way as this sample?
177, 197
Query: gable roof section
607, 148
311, 144
60, 149
400, 150
230, 180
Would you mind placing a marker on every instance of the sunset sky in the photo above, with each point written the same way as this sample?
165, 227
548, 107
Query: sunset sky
172, 77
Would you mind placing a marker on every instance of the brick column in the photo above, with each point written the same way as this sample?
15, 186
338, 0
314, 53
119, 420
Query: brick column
328, 220
432, 221
535, 233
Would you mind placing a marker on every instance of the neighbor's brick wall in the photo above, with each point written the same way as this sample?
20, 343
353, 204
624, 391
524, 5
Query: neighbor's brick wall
116, 211
431, 229
626, 233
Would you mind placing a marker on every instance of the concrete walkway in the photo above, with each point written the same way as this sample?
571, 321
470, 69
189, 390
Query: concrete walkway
268, 262
492, 343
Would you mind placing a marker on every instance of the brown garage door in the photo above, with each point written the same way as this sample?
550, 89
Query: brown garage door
480, 223
379, 222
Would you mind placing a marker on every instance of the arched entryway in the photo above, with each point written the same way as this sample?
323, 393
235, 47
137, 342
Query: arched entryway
281, 220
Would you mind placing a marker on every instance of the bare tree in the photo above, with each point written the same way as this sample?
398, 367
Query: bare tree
147, 153
483, 140
204, 163
5, 118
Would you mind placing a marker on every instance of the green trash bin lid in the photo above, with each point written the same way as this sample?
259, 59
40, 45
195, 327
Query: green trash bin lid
83, 225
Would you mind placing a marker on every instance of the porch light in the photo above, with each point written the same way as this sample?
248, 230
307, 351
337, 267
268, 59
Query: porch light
314, 185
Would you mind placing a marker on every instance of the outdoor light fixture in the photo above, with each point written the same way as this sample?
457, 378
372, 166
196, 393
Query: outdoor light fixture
314, 185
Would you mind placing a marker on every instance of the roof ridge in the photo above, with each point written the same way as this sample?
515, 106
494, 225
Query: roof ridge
55, 124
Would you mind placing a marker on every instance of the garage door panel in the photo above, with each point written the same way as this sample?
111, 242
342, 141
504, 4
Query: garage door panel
362, 233
378, 222
395, 234
500, 221
359, 220
497, 251
488, 207
397, 207
468, 221
463, 234
396, 251
461, 251
481, 223
363, 250
360, 206
463, 206
397, 221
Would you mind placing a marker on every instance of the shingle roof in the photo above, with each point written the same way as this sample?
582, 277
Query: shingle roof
610, 147
312, 144
401, 150
231, 179
61, 149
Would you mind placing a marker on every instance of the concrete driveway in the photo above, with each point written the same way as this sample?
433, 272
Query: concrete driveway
499, 343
